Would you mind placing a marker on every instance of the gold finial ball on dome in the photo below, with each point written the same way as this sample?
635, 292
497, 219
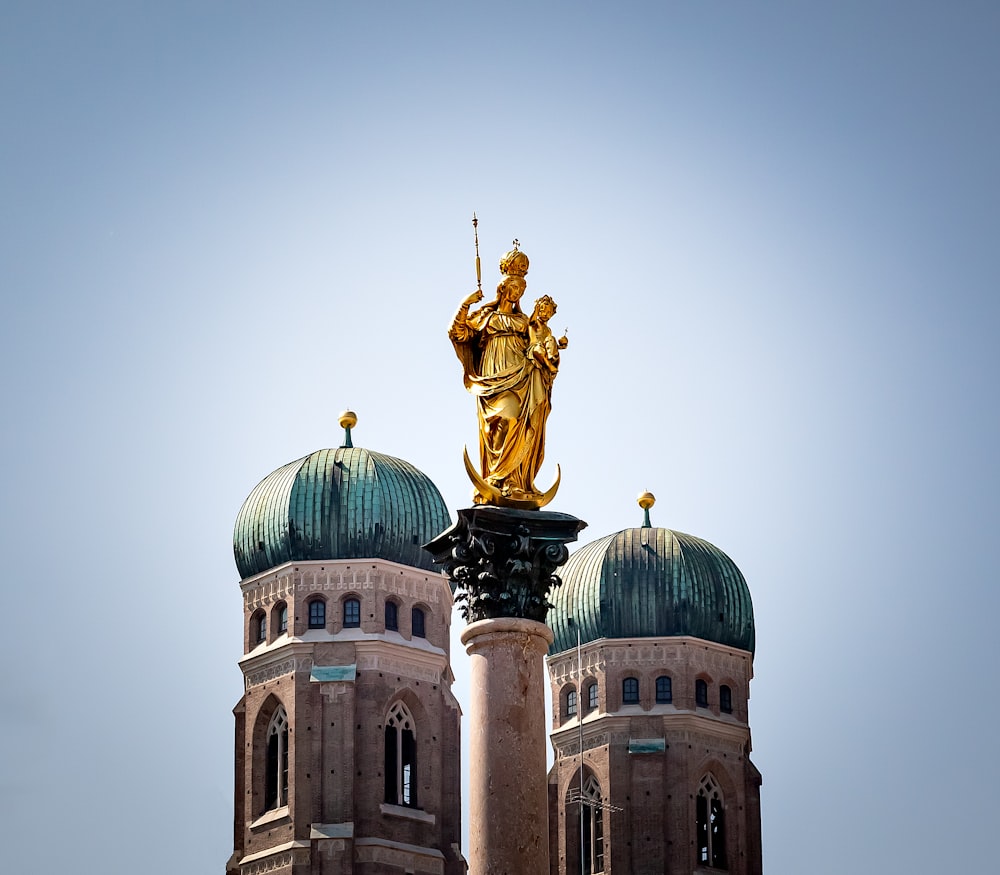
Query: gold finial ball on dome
348, 419
514, 263
647, 500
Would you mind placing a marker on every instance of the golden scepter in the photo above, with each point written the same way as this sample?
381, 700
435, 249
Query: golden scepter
479, 270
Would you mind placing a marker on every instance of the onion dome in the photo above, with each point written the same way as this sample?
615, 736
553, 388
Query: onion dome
647, 583
344, 503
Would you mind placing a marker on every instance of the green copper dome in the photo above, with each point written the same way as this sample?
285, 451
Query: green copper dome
645, 583
347, 503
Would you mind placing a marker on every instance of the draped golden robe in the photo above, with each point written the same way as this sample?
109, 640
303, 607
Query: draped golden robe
512, 394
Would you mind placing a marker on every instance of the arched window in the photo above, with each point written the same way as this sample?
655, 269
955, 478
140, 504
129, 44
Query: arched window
400, 757
392, 616
317, 614
571, 703
417, 623
282, 619
630, 691
593, 827
701, 693
276, 765
711, 824
664, 690
592, 696
259, 627
725, 699
352, 613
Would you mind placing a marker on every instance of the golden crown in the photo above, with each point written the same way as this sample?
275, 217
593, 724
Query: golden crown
514, 263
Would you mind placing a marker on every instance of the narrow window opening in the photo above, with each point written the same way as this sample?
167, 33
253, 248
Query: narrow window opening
276, 764
392, 616
711, 828
664, 690
592, 696
571, 703
701, 693
352, 614
400, 757
417, 623
725, 699
630, 691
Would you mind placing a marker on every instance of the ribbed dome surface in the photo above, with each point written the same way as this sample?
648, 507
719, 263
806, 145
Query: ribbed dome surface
644, 583
347, 503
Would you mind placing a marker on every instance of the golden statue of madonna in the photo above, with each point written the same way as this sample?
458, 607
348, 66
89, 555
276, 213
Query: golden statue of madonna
510, 361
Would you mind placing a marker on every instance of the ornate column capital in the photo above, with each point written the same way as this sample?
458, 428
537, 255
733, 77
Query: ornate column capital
502, 561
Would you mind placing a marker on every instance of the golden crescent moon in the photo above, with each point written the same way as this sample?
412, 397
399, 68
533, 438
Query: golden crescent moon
494, 496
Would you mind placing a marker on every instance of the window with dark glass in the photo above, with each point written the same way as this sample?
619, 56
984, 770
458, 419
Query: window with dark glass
725, 699
664, 690
592, 696
571, 703
630, 691
317, 614
276, 764
417, 623
352, 613
260, 628
400, 757
392, 616
283, 619
711, 825
701, 693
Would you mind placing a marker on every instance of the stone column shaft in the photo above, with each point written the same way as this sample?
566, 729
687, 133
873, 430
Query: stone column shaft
509, 804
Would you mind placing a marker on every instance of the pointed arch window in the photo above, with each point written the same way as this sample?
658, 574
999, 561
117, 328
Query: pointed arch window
592, 696
400, 757
392, 616
593, 827
317, 614
276, 764
282, 619
352, 613
418, 623
711, 825
260, 628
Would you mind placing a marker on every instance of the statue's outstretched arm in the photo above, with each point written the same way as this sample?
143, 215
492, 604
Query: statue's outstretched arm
460, 330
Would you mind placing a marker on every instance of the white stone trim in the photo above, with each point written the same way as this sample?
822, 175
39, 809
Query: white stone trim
272, 816
405, 856
332, 830
293, 845
407, 813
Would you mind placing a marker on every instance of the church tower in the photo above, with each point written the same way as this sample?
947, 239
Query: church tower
650, 676
347, 735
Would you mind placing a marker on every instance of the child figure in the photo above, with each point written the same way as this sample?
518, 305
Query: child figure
542, 346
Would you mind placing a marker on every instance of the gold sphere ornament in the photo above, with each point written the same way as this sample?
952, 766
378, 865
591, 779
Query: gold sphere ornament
647, 500
348, 419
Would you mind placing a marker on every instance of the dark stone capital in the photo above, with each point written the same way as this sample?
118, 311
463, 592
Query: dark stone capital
502, 561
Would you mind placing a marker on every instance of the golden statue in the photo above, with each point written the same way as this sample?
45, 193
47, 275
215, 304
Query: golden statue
510, 361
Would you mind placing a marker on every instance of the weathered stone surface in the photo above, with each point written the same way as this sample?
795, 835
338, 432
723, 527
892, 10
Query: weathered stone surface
508, 810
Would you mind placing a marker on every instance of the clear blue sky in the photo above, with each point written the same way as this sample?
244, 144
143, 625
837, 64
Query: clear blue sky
772, 230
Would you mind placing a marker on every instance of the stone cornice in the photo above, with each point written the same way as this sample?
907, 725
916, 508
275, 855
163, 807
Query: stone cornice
338, 575
598, 656
685, 726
